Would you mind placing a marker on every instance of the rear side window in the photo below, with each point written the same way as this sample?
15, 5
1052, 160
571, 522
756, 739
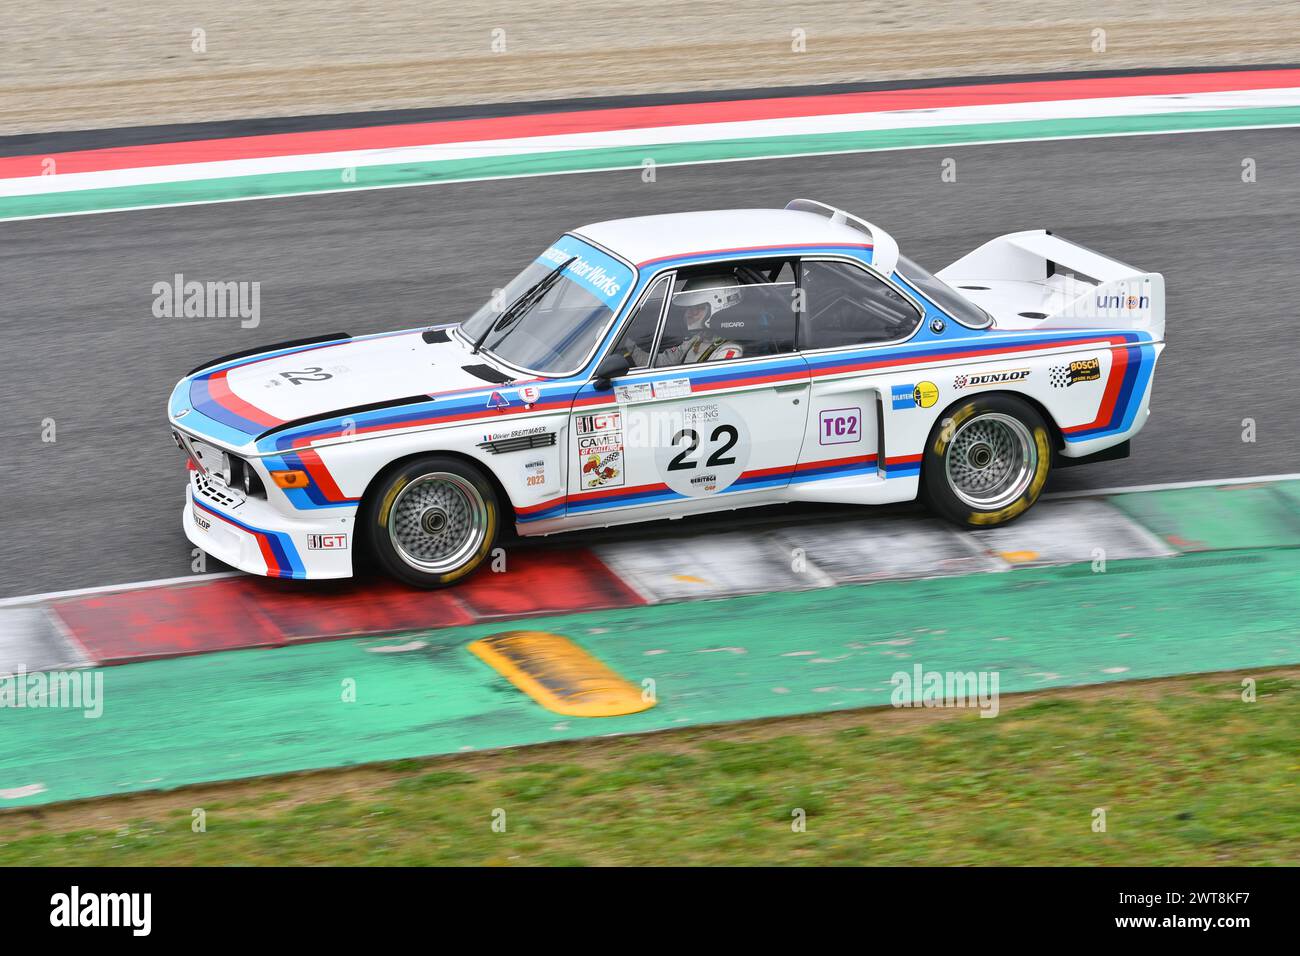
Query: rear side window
844, 305
944, 296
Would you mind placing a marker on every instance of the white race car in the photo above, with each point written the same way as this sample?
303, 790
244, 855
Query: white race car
670, 365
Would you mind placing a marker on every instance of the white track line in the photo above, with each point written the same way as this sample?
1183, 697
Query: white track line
111, 588
218, 575
650, 138
1170, 486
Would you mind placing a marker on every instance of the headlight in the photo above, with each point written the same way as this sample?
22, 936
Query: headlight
248, 479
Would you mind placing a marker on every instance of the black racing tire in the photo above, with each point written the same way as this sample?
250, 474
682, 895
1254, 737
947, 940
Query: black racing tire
986, 460
431, 521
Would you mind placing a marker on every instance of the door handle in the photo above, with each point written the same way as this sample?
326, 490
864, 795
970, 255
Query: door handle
791, 387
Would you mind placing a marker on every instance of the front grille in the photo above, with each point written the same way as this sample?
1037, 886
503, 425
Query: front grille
519, 443
209, 456
216, 492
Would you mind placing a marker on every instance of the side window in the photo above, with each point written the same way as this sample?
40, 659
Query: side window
728, 311
844, 305
638, 336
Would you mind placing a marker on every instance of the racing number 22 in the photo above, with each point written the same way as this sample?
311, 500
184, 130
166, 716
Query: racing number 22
681, 463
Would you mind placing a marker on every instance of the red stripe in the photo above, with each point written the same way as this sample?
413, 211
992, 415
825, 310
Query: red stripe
1118, 365
740, 249
767, 472
263, 542
836, 463
993, 349
533, 509
615, 492
272, 565
751, 380
795, 373
582, 121
320, 475
220, 391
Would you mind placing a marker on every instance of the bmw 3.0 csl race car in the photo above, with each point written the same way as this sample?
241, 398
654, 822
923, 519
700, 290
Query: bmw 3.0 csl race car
670, 365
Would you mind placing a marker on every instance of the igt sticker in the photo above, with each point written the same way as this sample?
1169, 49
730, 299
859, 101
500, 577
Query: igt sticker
840, 426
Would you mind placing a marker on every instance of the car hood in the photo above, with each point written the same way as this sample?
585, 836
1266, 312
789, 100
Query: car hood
234, 402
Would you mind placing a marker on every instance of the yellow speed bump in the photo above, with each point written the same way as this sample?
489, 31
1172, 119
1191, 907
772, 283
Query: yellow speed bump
559, 674
1018, 557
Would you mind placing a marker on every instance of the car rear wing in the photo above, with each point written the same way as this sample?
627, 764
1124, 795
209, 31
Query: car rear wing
1092, 290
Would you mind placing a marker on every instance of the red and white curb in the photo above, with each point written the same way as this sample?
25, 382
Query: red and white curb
232, 611
826, 553
491, 147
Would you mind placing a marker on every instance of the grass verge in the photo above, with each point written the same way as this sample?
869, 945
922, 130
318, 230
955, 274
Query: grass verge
1185, 770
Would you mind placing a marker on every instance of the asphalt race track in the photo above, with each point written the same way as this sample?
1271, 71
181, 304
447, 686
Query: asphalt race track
81, 346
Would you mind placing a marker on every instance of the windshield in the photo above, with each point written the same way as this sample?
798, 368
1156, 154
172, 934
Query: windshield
944, 296
551, 315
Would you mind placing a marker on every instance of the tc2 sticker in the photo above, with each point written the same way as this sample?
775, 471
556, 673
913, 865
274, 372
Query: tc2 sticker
840, 426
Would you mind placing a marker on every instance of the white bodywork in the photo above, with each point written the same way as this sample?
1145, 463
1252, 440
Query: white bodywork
833, 425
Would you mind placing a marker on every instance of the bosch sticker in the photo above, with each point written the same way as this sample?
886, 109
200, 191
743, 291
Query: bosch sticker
1083, 370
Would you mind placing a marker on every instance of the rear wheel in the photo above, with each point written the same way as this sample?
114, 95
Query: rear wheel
432, 521
986, 461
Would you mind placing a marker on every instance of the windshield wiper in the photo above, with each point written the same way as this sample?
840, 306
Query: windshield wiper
521, 304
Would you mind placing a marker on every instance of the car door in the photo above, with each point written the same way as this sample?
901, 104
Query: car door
710, 415
847, 311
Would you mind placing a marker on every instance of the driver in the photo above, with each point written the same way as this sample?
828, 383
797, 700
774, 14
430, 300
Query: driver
697, 308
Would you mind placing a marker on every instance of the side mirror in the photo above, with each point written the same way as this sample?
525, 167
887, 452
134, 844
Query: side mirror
611, 367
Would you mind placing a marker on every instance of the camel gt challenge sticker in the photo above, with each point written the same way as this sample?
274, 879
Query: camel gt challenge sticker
600, 450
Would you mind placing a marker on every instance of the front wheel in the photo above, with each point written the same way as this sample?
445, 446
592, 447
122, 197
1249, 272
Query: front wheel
986, 461
432, 521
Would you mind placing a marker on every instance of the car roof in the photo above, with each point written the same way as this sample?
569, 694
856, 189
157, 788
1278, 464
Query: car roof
645, 239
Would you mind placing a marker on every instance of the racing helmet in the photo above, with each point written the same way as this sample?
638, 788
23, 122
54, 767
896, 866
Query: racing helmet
717, 292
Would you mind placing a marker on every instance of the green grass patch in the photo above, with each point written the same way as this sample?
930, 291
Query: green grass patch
1187, 773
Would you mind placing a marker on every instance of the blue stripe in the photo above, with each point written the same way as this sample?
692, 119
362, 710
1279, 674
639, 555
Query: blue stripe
1133, 388
286, 555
